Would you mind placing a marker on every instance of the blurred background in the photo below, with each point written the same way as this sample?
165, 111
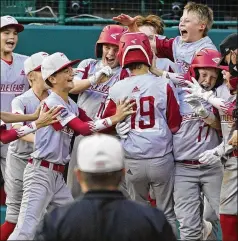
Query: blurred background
90, 12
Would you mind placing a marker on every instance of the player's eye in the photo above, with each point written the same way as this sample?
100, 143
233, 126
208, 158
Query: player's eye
15, 33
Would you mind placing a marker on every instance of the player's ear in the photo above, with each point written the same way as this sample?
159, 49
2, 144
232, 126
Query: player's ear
203, 26
30, 77
52, 80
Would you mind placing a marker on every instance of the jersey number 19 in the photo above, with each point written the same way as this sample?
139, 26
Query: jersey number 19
150, 113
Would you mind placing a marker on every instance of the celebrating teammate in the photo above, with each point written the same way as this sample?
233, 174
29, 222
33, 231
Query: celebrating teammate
43, 182
102, 74
223, 101
148, 147
198, 132
20, 150
194, 25
13, 79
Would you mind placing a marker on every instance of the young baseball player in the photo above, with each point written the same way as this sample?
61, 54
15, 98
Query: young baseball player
43, 181
198, 132
101, 75
194, 24
223, 102
13, 79
148, 146
19, 151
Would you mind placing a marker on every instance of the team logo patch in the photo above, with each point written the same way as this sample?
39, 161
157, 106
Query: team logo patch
136, 89
114, 35
133, 41
22, 72
216, 60
63, 113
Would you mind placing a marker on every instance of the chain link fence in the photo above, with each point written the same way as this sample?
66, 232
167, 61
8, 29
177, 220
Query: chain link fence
101, 11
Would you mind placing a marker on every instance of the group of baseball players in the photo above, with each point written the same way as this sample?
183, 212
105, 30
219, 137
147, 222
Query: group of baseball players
170, 101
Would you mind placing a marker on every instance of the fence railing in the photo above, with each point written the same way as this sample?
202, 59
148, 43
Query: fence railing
100, 11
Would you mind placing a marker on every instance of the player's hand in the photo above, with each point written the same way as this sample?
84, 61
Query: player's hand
209, 157
36, 114
196, 90
124, 109
234, 139
106, 71
125, 20
197, 107
122, 129
153, 69
48, 117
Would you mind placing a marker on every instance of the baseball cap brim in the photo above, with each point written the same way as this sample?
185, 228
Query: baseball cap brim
37, 68
19, 27
71, 63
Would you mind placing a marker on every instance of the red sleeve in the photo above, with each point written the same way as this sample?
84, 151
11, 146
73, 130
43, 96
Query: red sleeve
80, 127
83, 116
164, 48
110, 109
231, 108
174, 118
7, 136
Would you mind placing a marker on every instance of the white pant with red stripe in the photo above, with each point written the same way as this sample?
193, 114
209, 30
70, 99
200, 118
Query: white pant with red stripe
41, 187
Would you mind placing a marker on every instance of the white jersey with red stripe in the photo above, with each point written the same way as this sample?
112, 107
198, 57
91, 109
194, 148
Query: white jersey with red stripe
194, 136
227, 121
26, 103
150, 136
13, 80
52, 143
184, 53
93, 99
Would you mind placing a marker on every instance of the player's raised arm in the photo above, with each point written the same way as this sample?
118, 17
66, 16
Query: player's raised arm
83, 84
8, 117
128, 21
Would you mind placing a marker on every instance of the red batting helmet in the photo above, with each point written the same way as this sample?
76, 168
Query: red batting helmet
134, 48
110, 34
206, 58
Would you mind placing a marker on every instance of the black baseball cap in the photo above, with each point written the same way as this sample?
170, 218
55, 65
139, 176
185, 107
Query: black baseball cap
228, 44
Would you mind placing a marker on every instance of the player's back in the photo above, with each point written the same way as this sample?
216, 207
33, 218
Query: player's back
13, 80
150, 135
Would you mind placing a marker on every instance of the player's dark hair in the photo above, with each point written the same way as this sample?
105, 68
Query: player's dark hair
133, 66
219, 80
102, 180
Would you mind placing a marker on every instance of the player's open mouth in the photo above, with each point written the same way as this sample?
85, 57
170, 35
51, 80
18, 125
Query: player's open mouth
10, 44
206, 87
110, 60
183, 33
